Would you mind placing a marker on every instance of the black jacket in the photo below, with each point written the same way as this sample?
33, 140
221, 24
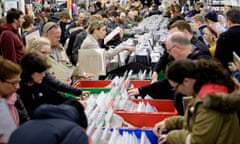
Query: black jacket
38, 94
198, 44
23, 114
75, 40
60, 86
80, 37
51, 125
162, 62
226, 44
199, 53
63, 27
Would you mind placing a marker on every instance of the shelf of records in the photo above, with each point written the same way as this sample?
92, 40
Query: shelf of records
152, 24
235, 3
116, 116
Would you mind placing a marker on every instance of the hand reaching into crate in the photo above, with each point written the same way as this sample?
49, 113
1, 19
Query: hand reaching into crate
133, 92
158, 131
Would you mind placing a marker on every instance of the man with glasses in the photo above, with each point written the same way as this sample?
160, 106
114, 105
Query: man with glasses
179, 47
179, 25
52, 31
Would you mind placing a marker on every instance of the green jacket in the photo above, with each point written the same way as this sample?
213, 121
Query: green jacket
202, 125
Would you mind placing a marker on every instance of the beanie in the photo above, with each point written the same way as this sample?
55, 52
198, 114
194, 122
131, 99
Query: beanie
212, 15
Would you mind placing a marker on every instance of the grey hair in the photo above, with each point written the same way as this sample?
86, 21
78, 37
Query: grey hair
179, 38
36, 43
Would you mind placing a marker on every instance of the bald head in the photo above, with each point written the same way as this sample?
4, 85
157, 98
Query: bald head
178, 38
178, 45
49, 26
52, 31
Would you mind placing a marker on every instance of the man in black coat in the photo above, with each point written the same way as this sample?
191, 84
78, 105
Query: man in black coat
75, 40
228, 40
179, 47
178, 24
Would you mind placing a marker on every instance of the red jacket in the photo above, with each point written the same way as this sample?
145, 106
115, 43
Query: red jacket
11, 45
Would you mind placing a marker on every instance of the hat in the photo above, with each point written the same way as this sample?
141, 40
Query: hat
212, 15
74, 103
186, 8
48, 26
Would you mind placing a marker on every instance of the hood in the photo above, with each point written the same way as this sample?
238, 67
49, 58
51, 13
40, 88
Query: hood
62, 111
210, 88
223, 102
8, 27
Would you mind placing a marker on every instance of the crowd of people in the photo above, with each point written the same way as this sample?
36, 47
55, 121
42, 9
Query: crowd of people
36, 71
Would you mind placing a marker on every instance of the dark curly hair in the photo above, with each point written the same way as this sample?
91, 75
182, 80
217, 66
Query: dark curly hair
204, 71
13, 14
31, 63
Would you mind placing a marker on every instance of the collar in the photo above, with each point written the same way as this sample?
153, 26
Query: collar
203, 26
211, 88
59, 46
92, 38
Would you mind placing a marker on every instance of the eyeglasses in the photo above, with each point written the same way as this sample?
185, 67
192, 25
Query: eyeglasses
170, 49
15, 83
53, 26
45, 52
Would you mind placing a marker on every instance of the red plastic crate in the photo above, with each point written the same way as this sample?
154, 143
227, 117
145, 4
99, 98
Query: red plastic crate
142, 119
140, 83
92, 83
105, 83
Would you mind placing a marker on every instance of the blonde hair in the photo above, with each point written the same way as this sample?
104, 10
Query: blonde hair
199, 18
36, 43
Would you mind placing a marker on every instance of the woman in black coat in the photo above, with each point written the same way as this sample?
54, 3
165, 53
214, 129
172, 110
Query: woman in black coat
33, 90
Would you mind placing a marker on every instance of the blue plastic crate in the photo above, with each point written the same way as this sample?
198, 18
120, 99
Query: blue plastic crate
152, 138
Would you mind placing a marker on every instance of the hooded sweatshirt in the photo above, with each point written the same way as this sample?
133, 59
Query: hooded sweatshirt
11, 45
51, 124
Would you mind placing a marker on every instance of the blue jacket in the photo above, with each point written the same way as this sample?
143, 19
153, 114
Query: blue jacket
51, 125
